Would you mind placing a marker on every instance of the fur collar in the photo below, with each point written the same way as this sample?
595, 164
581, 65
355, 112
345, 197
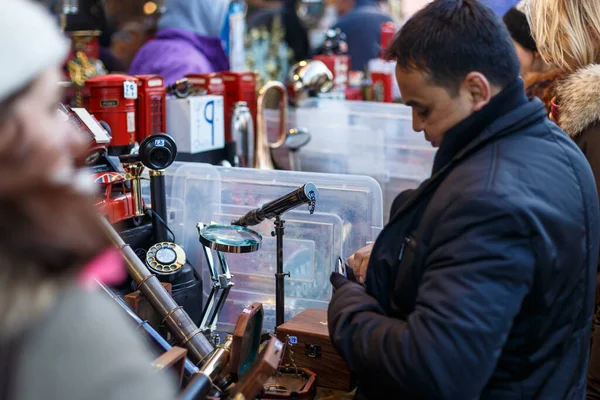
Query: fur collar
579, 100
543, 85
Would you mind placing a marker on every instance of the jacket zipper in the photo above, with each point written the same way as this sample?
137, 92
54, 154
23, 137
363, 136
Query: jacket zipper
407, 241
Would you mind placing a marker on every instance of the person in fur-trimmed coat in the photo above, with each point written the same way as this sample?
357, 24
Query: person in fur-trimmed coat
578, 95
578, 114
576, 108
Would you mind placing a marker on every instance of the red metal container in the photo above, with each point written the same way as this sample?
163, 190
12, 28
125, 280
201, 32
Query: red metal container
339, 65
383, 87
212, 83
151, 106
113, 99
239, 86
388, 30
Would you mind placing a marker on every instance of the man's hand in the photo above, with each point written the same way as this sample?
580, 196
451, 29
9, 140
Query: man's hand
359, 262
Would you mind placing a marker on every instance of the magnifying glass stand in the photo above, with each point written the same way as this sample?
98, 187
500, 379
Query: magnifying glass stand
221, 285
222, 239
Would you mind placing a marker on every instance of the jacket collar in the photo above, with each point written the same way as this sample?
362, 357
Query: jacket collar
471, 129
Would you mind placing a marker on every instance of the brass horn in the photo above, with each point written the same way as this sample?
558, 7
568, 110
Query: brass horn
262, 149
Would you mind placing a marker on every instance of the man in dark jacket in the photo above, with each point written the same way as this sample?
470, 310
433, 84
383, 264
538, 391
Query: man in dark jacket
482, 283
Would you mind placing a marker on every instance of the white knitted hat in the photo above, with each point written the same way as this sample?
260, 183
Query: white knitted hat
30, 42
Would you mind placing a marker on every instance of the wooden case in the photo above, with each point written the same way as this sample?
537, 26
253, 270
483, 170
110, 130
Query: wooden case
308, 337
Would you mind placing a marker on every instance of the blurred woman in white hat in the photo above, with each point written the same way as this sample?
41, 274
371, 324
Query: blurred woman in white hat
59, 337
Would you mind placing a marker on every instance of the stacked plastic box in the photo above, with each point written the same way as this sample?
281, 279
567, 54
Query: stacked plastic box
348, 215
362, 138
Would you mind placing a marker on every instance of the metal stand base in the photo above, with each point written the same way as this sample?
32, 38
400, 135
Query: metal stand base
221, 282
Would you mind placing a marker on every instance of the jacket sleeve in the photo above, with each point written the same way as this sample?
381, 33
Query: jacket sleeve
476, 274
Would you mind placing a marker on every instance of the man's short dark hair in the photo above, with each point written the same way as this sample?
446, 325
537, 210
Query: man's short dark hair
450, 38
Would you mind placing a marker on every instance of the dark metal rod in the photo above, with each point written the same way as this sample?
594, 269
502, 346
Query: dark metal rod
177, 321
307, 193
189, 368
198, 388
158, 198
279, 276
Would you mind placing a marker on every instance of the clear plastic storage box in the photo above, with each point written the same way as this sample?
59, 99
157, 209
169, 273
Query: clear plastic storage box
348, 215
361, 138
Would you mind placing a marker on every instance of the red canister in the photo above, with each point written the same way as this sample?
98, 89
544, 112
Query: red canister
151, 106
383, 87
239, 86
113, 99
211, 83
339, 65
388, 30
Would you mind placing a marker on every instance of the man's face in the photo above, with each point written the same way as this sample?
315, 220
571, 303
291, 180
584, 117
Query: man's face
434, 109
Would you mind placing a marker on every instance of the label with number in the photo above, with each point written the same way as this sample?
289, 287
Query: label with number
131, 121
130, 90
293, 340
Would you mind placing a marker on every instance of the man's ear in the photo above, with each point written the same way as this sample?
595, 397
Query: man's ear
479, 90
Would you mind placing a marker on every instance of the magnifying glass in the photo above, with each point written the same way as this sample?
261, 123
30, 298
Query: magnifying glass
230, 238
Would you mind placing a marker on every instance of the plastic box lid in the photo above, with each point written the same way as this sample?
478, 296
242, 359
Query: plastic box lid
361, 138
348, 215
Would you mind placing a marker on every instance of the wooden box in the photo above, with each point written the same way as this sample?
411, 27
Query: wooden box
138, 303
307, 336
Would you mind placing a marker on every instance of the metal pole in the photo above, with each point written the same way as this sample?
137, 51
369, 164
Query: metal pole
158, 197
280, 275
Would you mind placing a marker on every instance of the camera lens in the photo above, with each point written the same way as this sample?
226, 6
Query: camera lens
160, 157
158, 151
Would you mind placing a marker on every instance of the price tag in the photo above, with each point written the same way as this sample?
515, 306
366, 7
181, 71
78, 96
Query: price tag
131, 121
130, 90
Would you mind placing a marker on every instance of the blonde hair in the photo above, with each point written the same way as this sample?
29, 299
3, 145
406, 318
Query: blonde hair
567, 32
